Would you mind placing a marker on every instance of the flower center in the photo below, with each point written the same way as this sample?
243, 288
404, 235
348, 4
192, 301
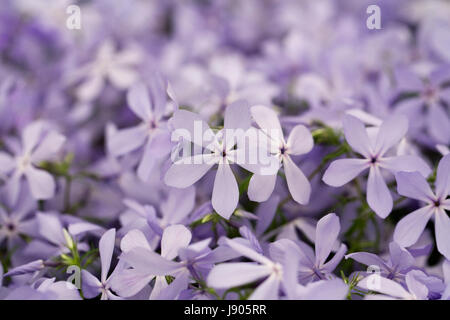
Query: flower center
283, 150
430, 93
23, 162
437, 203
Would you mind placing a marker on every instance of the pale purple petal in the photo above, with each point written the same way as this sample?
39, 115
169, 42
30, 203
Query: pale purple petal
134, 239
192, 128
127, 140
247, 251
298, 184
442, 225
91, 285
268, 290
139, 101
334, 289
377, 283
300, 140
342, 171
261, 187
438, 122
186, 172
356, 135
418, 289
225, 195
51, 144
367, 259
174, 238
237, 116
228, 275
129, 282
407, 163
378, 195
6, 162
268, 121
390, 133
149, 262
106, 248
327, 232
409, 229
157, 147
41, 183
443, 177
31, 135
413, 185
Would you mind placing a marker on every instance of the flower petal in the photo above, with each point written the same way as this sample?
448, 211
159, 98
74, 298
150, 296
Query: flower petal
261, 187
228, 275
127, 140
157, 147
378, 195
327, 231
225, 195
139, 101
390, 133
342, 171
91, 285
413, 185
173, 239
438, 123
443, 177
237, 116
442, 225
42, 185
6, 162
300, 140
268, 121
298, 184
409, 229
186, 172
407, 163
106, 248
268, 290
51, 144
356, 135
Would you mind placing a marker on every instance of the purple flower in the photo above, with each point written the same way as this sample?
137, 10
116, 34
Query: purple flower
413, 185
152, 132
430, 94
375, 153
116, 67
400, 261
18, 222
300, 141
334, 289
313, 265
415, 289
221, 151
92, 287
37, 145
228, 275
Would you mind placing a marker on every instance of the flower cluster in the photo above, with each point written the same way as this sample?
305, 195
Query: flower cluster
224, 150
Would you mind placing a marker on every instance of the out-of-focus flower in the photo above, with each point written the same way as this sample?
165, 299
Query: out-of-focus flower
38, 144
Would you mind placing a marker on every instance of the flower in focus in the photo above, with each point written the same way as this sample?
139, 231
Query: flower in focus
374, 149
413, 185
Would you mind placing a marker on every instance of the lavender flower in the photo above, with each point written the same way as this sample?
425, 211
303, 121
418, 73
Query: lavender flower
37, 145
299, 142
413, 185
374, 152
